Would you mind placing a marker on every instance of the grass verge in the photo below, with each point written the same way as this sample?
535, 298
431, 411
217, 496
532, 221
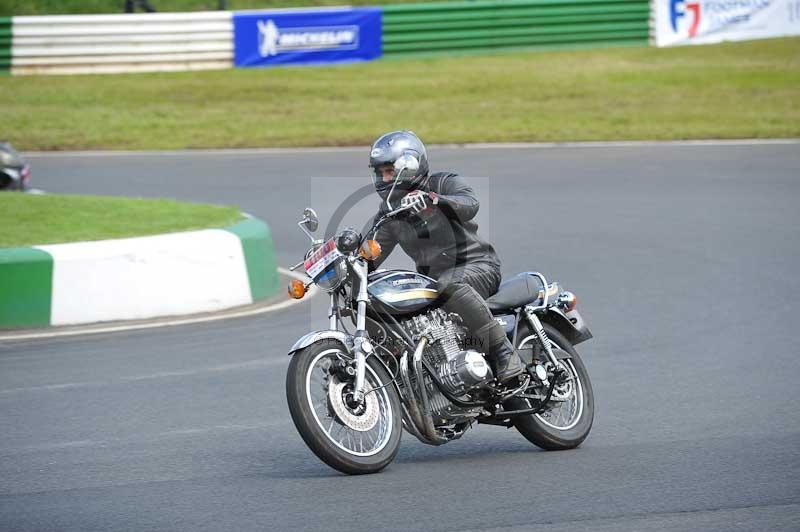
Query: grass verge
50, 219
731, 90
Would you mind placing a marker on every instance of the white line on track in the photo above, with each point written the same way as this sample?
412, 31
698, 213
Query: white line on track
69, 386
222, 315
154, 438
475, 146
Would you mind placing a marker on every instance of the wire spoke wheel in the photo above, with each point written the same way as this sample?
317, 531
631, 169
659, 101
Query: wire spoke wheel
354, 438
568, 416
362, 430
565, 407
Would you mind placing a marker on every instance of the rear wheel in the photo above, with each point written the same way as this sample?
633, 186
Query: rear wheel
354, 439
568, 418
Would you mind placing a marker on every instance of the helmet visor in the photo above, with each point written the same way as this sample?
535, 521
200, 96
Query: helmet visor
383, 176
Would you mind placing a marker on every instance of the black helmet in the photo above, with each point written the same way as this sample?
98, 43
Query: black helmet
387, 150
14, 171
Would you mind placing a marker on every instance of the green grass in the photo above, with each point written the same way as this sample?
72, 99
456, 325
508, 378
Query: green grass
52, 219
732, 90
68, 7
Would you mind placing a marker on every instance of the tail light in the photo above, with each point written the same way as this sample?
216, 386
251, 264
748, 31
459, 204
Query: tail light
567, 301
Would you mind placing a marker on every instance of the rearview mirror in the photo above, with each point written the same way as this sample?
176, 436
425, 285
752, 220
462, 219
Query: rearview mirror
406, 163
310, 219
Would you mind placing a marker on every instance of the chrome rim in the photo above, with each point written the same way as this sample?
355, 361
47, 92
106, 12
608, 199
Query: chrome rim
361, 432
566, 405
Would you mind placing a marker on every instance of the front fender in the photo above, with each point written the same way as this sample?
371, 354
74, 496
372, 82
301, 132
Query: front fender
316, 336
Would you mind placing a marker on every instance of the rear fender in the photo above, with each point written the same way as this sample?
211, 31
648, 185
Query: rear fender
571, 324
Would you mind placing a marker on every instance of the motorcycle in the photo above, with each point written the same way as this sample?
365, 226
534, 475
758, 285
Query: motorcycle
410, 365
14, 171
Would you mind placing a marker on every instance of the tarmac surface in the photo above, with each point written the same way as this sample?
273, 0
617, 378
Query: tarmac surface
685, 263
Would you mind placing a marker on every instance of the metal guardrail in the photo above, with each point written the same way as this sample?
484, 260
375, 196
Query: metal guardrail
463, 27
72, 44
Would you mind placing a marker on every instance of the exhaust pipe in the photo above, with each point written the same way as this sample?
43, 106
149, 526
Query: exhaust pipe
415, 425
425, 414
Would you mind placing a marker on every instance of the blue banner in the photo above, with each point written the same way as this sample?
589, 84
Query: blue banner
268, 38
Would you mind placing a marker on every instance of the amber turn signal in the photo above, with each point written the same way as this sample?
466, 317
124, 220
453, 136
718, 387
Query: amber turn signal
370, 250
297, 289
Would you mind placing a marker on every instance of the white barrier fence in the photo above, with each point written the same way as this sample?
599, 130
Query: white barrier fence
678, 22
151, 42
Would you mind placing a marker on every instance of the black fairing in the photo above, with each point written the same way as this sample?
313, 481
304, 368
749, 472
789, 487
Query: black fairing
400, 292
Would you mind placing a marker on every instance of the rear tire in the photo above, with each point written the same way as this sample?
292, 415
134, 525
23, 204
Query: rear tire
335, 433
535, 427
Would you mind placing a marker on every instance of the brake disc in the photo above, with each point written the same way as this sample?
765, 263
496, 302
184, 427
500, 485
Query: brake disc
363, 420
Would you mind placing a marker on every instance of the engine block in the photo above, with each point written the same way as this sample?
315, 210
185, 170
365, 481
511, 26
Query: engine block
458, 370
443, 336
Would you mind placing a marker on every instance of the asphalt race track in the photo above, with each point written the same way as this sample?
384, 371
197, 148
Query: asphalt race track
685, 262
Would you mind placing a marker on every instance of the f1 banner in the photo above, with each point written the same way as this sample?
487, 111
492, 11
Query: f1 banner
712, 21
268, 38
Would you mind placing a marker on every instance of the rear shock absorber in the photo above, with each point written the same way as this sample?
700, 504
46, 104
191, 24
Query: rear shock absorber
538, 328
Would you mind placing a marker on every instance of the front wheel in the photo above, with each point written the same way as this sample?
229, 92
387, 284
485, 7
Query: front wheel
353, 439
568, 418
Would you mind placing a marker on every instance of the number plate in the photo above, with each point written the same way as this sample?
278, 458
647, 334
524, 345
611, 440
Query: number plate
321, 258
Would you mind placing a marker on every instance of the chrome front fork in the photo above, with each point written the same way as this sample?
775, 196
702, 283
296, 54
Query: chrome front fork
362, 347
332, 316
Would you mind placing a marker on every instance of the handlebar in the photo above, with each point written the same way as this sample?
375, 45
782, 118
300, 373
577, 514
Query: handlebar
384, 218
389, 215
395, 212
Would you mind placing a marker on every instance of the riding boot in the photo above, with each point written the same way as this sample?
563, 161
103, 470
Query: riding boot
486, 333
507, 363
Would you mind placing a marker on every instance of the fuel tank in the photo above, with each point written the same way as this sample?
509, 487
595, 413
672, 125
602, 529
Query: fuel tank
401, 291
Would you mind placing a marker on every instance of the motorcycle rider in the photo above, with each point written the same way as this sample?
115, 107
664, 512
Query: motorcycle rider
440, 234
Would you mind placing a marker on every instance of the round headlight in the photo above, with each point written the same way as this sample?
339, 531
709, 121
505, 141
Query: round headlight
333, 276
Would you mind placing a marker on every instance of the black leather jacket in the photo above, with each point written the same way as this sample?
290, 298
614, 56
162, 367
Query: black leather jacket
443, 237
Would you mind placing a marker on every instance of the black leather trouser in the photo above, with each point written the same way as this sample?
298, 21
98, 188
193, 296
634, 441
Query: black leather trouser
463, 291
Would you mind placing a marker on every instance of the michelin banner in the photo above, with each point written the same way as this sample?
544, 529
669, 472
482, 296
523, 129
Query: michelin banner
269, 38
712, 21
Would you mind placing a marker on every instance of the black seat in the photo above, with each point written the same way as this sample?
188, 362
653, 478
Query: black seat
520, 290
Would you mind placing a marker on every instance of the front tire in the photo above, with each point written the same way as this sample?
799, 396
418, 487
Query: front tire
551, 430
355, 441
